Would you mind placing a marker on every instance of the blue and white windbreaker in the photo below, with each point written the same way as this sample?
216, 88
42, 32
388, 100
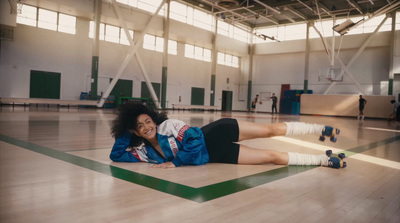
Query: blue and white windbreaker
181, 144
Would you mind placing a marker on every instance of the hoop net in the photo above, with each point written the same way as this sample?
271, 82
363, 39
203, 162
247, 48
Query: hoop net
15, 7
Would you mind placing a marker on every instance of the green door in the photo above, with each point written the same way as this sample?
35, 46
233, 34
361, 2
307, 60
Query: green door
197, 96
145, 93
45, 84
226, 101
123, 88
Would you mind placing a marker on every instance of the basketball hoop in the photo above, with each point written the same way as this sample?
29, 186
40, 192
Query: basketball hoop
15, 7
331, 74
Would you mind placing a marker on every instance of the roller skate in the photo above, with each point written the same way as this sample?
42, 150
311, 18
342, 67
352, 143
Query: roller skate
336, 162
331, 132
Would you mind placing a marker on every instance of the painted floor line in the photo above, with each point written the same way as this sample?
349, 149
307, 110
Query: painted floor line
199, 195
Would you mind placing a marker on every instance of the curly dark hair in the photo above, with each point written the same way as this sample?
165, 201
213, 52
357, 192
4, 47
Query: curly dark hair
127, 119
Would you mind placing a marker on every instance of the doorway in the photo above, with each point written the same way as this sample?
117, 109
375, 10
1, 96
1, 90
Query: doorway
45, 84
226, 101
145, 93
123, 88
197, 96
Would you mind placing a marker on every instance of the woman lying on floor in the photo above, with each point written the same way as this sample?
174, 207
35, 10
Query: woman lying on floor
144, 135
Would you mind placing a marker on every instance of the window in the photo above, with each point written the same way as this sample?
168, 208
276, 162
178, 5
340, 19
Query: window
202, 20
240, 34
47, 19
150, 6
133, 3
112, 34
67, 23
221, 58
172, 47
149, 42
293, 32
324, 27
228, 60
223, 28
370, 26
156, 43
101, 29
189, 51
198, 53
235, 61
178, 11
234, 32
28, 15
207, 55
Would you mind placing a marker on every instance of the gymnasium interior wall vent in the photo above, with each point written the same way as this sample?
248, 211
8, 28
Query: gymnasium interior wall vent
6, 32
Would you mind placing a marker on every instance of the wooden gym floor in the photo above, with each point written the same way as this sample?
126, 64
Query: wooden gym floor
54, 167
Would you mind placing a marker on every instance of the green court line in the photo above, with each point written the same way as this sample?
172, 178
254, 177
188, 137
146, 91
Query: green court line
201, 194
363, 148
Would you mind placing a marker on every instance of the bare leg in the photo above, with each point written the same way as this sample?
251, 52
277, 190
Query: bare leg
249, 155
250, 130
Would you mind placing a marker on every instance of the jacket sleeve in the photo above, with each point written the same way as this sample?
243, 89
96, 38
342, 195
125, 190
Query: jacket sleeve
193, 146
122, 153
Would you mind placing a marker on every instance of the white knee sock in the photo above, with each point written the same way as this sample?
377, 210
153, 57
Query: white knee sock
301, 128
299, 159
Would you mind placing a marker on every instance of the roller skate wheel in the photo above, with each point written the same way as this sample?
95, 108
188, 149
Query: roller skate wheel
344, 165
322, 138
337, 131
342, 155
328, 153
333, 139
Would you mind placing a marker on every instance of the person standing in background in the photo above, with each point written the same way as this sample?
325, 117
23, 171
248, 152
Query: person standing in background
361, 106
254, 103
274, 102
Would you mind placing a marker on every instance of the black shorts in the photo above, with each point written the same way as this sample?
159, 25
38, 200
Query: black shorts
220, 137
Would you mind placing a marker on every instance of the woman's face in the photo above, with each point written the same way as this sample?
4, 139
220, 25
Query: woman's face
145, 127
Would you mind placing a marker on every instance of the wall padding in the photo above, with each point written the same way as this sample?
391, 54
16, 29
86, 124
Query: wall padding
345, 105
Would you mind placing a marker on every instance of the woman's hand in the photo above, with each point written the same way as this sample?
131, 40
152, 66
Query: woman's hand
164, 165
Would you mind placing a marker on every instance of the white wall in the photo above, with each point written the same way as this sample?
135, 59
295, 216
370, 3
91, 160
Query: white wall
274, 63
